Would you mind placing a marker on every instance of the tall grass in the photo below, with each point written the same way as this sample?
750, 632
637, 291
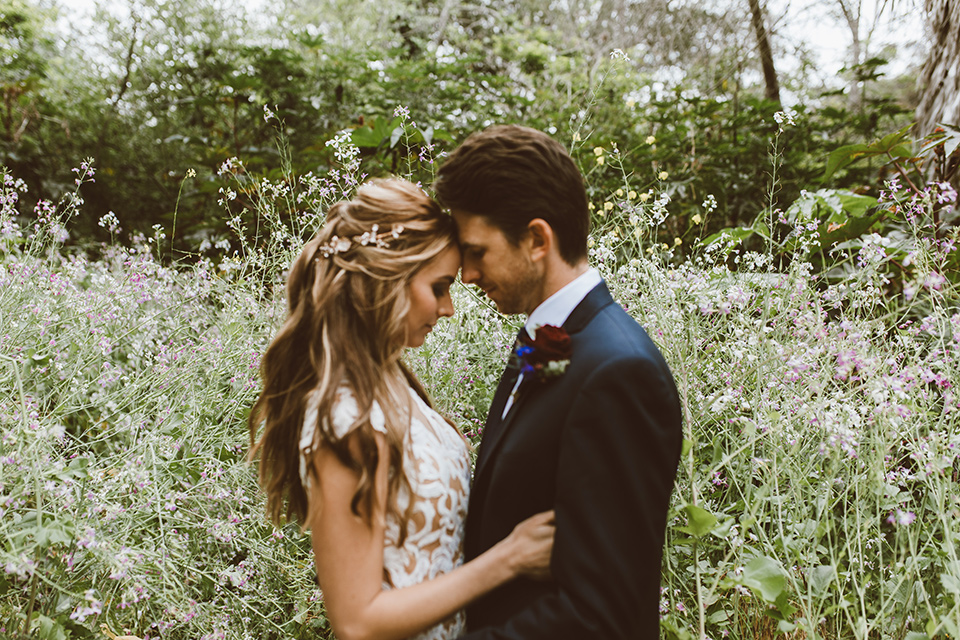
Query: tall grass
817, 495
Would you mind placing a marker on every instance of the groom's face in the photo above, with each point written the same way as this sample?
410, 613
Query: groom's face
503, 270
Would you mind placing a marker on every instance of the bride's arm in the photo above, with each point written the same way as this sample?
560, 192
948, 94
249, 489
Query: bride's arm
349, 559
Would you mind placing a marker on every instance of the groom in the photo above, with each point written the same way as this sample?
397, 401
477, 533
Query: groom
585, 421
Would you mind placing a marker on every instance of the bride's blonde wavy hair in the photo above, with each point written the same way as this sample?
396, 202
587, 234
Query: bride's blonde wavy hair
346, 327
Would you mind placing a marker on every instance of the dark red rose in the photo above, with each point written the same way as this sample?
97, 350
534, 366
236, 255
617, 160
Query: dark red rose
550, 345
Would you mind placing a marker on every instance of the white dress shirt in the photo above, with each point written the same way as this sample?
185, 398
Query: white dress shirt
555, 310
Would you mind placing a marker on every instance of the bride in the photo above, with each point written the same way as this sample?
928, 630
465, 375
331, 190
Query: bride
351, 443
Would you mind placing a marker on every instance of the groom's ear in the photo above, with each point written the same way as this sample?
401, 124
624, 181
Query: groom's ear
540, 238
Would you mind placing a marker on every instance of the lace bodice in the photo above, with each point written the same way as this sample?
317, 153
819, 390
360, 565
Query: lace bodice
437, 463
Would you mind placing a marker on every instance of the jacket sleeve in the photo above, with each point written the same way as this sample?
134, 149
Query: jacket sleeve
619, 451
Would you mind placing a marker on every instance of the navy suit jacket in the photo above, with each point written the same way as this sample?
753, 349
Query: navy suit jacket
600, 445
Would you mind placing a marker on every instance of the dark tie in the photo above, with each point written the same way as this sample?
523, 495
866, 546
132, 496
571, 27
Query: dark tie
513, 363
508, 379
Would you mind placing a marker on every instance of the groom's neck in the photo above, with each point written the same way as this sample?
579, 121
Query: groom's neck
558, 275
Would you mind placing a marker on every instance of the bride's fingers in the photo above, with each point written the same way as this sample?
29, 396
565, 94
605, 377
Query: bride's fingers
544, 517
547, 516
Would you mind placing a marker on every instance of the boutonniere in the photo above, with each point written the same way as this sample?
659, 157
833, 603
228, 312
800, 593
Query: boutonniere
546, 355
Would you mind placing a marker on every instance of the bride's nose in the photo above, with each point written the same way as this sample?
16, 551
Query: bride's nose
446, 309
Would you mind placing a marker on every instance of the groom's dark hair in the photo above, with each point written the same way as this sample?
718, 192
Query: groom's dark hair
511, 175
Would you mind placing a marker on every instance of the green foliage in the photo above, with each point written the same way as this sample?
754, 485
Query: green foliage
895, 147
177, 86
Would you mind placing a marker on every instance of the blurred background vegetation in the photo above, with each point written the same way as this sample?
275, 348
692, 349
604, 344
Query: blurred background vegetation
154, 89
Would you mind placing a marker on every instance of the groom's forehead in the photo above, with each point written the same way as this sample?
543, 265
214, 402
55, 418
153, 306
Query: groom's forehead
474, 228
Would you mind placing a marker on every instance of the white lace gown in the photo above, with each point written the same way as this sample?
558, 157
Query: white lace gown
437, 463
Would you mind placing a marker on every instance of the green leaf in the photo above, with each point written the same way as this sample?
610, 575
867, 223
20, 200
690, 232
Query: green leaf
700, 521
765, 577
784, 609
952, 139
50, 629
785, 626
853, 227
820, 578
718, 616
374, 133
951, 627
951, 583
78, 470
840, 158
855, 204
892, 140
901, 152
395, 136
734, 235
890, 144
761, 229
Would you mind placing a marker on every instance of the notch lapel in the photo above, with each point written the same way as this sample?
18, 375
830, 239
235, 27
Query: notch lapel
494, 417
497, 427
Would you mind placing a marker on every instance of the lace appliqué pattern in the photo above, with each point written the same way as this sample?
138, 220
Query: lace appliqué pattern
437, 463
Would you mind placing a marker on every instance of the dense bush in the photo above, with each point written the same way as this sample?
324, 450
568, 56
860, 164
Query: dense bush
180, 86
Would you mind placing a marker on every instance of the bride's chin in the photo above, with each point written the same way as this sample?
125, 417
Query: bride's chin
413, 343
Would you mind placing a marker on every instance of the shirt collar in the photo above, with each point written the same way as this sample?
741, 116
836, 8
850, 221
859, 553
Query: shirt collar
557, 308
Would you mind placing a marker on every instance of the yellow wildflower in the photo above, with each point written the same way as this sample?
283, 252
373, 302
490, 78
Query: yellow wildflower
600, 160
644, 197
631, 102
663, 175
677, 242
110, 634
598, 151
608, 206
696, 219
632, 195
576, 136
590, 206
650, 140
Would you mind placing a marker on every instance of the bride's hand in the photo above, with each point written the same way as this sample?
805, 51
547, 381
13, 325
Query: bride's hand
530, 544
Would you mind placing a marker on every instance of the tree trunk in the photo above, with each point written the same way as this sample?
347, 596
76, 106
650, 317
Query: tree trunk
771, 84
852, 16
939, 82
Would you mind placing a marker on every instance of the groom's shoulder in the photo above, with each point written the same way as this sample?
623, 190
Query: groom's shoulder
612, 334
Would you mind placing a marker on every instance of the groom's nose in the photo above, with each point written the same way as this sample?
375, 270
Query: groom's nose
469, 274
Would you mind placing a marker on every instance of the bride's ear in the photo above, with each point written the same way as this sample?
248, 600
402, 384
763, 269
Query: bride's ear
540, 239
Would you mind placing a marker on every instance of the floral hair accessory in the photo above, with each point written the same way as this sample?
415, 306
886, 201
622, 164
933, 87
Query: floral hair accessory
546, 355
374, 237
